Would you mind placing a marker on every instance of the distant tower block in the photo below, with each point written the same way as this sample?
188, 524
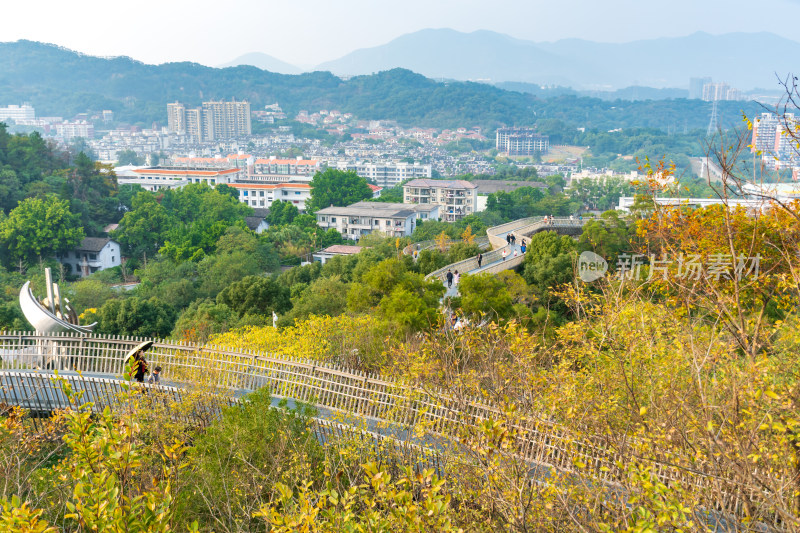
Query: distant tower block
712, 124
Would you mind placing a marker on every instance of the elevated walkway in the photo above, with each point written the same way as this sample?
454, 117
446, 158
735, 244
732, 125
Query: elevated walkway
377, 411
493, 261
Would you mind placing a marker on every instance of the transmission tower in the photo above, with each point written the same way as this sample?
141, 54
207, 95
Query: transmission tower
712, 124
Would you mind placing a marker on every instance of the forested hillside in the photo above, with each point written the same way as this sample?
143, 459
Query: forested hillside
60, 82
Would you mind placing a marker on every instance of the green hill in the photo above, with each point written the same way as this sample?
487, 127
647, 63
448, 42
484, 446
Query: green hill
57, 81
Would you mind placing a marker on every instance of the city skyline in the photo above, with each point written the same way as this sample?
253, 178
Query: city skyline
308, 32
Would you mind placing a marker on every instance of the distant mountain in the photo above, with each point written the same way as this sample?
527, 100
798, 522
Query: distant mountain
264, 62
744, 60
60, 82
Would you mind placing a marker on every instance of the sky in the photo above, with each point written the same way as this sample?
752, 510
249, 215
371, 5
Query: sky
309, 32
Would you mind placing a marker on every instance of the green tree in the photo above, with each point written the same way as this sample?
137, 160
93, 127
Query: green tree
136, 317
129, 157
281, 213
143, 229
38, 228
256, 295
338, 188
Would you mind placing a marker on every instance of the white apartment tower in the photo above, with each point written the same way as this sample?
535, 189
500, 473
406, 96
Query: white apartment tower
214, 120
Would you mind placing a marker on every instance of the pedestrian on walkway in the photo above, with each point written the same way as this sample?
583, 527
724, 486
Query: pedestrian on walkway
449, 277
513, 239
155, 377
456, 277
523, 247
140, 366
580, 217
480, 260
508, 238
505, 253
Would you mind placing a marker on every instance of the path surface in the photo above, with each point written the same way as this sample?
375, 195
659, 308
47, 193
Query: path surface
493, 260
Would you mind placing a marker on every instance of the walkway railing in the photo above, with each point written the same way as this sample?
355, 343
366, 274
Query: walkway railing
341, 391
522, 228
480, 242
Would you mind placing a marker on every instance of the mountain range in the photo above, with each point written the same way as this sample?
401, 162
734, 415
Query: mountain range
744, 60
264, 62
61, 82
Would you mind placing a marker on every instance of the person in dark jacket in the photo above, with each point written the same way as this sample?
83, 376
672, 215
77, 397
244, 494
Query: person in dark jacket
140, 367
449, 277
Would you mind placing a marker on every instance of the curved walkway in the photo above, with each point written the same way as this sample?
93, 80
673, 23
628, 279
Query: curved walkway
493, 261
348, 402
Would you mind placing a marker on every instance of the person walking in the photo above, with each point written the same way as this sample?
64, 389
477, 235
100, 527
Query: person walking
456, 277
505, 253
449, 277
523, 247
155, 377
480, 260
140, 366
508, 238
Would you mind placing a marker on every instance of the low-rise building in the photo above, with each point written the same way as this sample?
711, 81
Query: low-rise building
157, 178
363, 218
458, 198
385, 173
263, 194
337, 249
92, 255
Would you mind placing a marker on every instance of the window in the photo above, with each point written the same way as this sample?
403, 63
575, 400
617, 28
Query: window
261, 193
112, 258
333, 219
377, 222
388, 223
92, 256
297, 193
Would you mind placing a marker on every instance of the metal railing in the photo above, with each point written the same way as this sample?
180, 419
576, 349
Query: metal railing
523, 227
336, 389
42, 393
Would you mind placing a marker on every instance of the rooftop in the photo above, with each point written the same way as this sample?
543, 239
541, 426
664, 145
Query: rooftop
185, 172
369, 209
342, 249
93, 244
447, 184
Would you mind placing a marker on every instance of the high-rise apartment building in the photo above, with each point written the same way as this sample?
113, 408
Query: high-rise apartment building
696, 87
176, 118
772, 140
214, 120
521, 141
713, 92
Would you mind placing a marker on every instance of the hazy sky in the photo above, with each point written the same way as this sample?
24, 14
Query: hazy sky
308, 32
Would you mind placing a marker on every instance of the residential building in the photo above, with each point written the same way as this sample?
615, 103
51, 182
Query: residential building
696, 87
17, 113
281, 170
521, 141
385, 173
263, 194
157, 178
363, 218
68, 131
258, 222
337, 249
92, 255
772, 140
213, 121
176, 118
720, 91
458, 198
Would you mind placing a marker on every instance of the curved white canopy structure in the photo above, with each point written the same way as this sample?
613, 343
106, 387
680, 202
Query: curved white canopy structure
42, 319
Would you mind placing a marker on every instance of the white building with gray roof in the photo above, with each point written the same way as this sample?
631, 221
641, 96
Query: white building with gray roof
363, 218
